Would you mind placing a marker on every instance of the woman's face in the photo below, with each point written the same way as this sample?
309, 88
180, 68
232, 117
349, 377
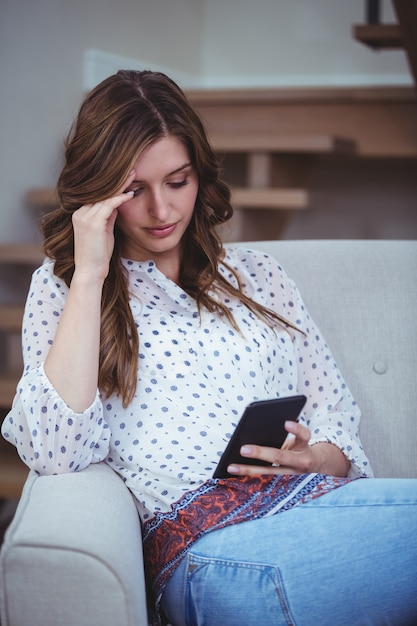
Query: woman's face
154, 221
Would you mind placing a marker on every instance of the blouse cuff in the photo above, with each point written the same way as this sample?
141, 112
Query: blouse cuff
359, 465
50, 437
35, 385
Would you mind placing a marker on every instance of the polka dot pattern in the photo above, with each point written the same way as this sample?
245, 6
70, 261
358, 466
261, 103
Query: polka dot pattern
196, 374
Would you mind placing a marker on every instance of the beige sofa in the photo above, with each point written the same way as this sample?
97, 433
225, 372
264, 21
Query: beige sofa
72, 556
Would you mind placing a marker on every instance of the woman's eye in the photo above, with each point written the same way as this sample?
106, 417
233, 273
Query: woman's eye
179, 184
136, 191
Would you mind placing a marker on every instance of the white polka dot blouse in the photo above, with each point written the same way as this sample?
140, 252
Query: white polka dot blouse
196, 374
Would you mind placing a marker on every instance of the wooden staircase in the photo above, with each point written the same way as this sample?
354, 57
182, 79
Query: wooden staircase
260, 152
273, 141
269, 176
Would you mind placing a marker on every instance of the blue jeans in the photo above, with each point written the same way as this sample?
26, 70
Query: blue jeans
348, 558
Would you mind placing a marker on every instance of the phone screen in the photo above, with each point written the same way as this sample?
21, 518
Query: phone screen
262, 423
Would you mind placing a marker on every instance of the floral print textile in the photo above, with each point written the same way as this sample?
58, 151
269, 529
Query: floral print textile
216, 504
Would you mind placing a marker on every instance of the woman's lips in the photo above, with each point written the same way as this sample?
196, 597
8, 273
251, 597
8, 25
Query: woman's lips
162, 231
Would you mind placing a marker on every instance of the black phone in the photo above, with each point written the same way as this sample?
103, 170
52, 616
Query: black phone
262, 423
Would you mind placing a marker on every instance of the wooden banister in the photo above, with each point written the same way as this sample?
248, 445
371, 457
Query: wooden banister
281, 142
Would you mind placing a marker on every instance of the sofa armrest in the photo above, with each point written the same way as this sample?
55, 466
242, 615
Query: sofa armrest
73, 553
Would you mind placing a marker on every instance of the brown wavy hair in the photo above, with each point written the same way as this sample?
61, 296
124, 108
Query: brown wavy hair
118, 119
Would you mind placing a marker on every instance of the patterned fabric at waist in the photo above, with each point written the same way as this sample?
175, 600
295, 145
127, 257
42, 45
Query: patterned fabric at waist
218, 503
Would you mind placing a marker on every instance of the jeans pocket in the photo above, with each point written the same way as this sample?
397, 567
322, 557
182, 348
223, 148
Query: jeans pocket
234, 593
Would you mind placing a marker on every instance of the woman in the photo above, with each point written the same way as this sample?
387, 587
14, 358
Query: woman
144, 338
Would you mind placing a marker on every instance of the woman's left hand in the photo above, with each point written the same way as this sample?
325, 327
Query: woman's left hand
296, 456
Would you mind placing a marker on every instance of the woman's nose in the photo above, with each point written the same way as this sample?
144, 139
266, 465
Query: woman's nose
159, 206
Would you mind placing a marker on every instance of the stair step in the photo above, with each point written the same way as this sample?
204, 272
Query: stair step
42, 197
8, 384
21, 253
270, 198
11, 317
379, 36
281, 143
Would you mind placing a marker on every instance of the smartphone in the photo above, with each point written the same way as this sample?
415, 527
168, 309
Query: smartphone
262, 423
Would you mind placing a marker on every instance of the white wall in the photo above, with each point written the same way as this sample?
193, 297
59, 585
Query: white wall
212, 42
294, 42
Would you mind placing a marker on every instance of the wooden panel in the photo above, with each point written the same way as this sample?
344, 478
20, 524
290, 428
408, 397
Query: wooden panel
379, 36
21, 253
270, 198
380, 121
308, 95
11, 317
13, 472
282, 143
8, 389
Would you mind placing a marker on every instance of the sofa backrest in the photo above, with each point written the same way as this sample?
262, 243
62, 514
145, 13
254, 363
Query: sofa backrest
363, 296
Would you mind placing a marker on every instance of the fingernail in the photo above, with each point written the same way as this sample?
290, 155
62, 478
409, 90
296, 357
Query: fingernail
246, 450
233, 469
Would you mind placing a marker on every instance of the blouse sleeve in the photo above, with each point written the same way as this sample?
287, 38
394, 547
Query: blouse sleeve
331, 413
49, 437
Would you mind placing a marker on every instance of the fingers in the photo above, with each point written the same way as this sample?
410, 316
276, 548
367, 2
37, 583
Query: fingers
129, 181
254, 470
295, 457
298, 460
298, 436
113, 202
101, 216
93, 226
294, 463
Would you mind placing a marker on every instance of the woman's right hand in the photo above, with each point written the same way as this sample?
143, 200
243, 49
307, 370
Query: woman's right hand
94, 233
